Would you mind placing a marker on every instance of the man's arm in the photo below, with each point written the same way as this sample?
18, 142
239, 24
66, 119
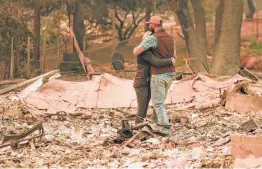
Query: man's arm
149, 42
156, 60
138, 50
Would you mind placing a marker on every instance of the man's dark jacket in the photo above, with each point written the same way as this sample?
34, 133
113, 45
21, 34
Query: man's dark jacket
144, 62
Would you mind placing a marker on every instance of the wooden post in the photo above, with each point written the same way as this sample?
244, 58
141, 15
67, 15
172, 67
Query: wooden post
154, 7
84, 44
257, 24
28, 58
12, 60
114, 28
58, 51
71, 37
44, 46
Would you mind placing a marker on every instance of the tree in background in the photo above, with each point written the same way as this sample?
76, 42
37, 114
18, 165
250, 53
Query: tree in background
133, 8
194, 30
14, 24
226, 58
75, 8
128, 15
38, 4
150, 7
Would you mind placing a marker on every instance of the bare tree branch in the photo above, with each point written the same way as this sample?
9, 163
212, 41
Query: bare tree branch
117, 16
141, 10
127, 12
121, 24
129, 31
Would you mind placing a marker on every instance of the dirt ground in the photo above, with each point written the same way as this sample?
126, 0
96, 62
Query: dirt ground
87, 138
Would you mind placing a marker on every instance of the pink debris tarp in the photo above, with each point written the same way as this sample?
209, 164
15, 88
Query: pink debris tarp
107, 91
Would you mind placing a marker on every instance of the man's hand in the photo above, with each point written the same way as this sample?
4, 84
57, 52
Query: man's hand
173, 61
147, 34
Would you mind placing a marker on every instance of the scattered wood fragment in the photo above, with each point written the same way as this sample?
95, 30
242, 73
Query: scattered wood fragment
246, 73
19, 137
130, 140
249, 126
121, 111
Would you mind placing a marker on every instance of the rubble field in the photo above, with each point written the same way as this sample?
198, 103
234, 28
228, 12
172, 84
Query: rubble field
87, 138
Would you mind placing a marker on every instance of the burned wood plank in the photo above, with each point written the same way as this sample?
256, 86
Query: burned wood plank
249, 126
130, 140
38, 126
6, 82
246, 73
8, 89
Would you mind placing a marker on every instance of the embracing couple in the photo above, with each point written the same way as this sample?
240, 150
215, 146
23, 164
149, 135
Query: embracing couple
155, 70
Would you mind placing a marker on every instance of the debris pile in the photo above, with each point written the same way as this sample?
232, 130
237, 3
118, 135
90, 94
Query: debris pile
88, 138
106, 91
77, 134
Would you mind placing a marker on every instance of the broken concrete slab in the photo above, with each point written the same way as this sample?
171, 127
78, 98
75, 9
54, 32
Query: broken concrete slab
180, 92
60, 95
243, 103
108, 91
250, 162
246, 145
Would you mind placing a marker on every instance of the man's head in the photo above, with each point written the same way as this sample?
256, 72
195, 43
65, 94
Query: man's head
155, 23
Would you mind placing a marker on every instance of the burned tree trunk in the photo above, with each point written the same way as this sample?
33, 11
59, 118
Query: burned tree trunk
74, 7
219, 13
37, 24
147, 18
226, 58
150, 7
200, 23
194, 34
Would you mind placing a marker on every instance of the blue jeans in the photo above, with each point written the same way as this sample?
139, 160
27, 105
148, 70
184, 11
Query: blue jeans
159, 87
